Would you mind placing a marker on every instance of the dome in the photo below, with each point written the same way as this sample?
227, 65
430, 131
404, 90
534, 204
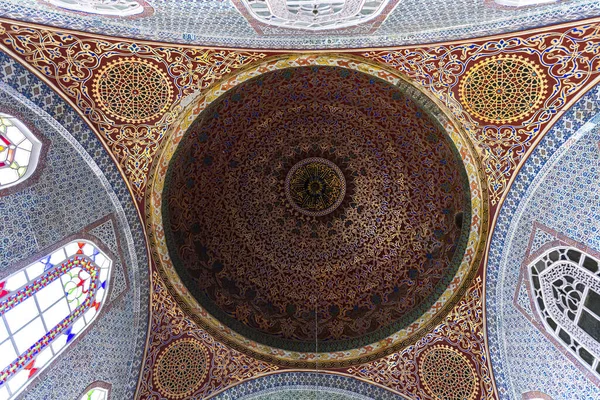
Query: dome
316, 209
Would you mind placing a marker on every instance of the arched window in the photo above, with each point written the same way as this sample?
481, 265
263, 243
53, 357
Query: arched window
95, 393
117, 8
45, 306
19, 151
565, 284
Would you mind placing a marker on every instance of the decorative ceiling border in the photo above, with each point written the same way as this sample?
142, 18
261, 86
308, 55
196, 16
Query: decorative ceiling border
439, 68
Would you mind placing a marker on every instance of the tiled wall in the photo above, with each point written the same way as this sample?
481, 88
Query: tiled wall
219, 23
78, 185
559, 187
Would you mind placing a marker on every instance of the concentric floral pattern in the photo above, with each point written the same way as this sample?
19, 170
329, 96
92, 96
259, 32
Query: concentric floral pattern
284, 278
181, 368
503, 89
315, 186
447, 374
133, 90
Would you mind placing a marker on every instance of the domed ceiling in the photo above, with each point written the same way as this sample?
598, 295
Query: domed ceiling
256, 188
316, 209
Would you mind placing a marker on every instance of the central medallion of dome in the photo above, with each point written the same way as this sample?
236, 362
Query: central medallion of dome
315, 186
315, 209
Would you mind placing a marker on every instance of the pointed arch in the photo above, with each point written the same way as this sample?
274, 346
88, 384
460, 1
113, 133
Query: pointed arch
565, 288
45, 306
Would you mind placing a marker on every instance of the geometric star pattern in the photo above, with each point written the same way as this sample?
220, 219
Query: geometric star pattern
133, 90
503, 89
447, 374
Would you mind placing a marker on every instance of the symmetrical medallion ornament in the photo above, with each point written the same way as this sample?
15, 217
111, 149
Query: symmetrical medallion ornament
447, 374
181, 368
315, 186
133, 90
503, 89
315, 15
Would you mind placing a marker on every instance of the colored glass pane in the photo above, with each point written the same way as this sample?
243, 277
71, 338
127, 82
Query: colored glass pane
19, 151
45, 306
95, 394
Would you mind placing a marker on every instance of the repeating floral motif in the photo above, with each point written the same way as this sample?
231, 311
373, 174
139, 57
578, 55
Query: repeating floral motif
223, 24
347, 281
48, 210
462, 330
225, 366
396, 340
551, 193
307, 385
73, 62
569, 59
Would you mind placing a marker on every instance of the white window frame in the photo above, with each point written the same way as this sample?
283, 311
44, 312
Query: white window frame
39, 290
335, 14
100, 394
36, 148
115, 8
544, 270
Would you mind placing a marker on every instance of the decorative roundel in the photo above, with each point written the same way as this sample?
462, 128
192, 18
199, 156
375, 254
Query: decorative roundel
181, 368
447, 374
315, 186
503, 89
133, 90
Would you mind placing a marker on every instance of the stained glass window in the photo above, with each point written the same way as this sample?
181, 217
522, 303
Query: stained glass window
45, 306
19, 151
565, 283
96, 393
119, 8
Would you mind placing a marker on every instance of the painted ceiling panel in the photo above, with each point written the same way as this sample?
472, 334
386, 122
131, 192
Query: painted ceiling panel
220, 23
140, 98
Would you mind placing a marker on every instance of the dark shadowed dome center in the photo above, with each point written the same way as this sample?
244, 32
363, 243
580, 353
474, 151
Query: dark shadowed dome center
316, 209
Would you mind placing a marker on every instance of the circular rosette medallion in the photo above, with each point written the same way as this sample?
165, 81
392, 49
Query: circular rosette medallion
181, 368
503, 89
268, 238
315, 186
447, 374
133, 90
